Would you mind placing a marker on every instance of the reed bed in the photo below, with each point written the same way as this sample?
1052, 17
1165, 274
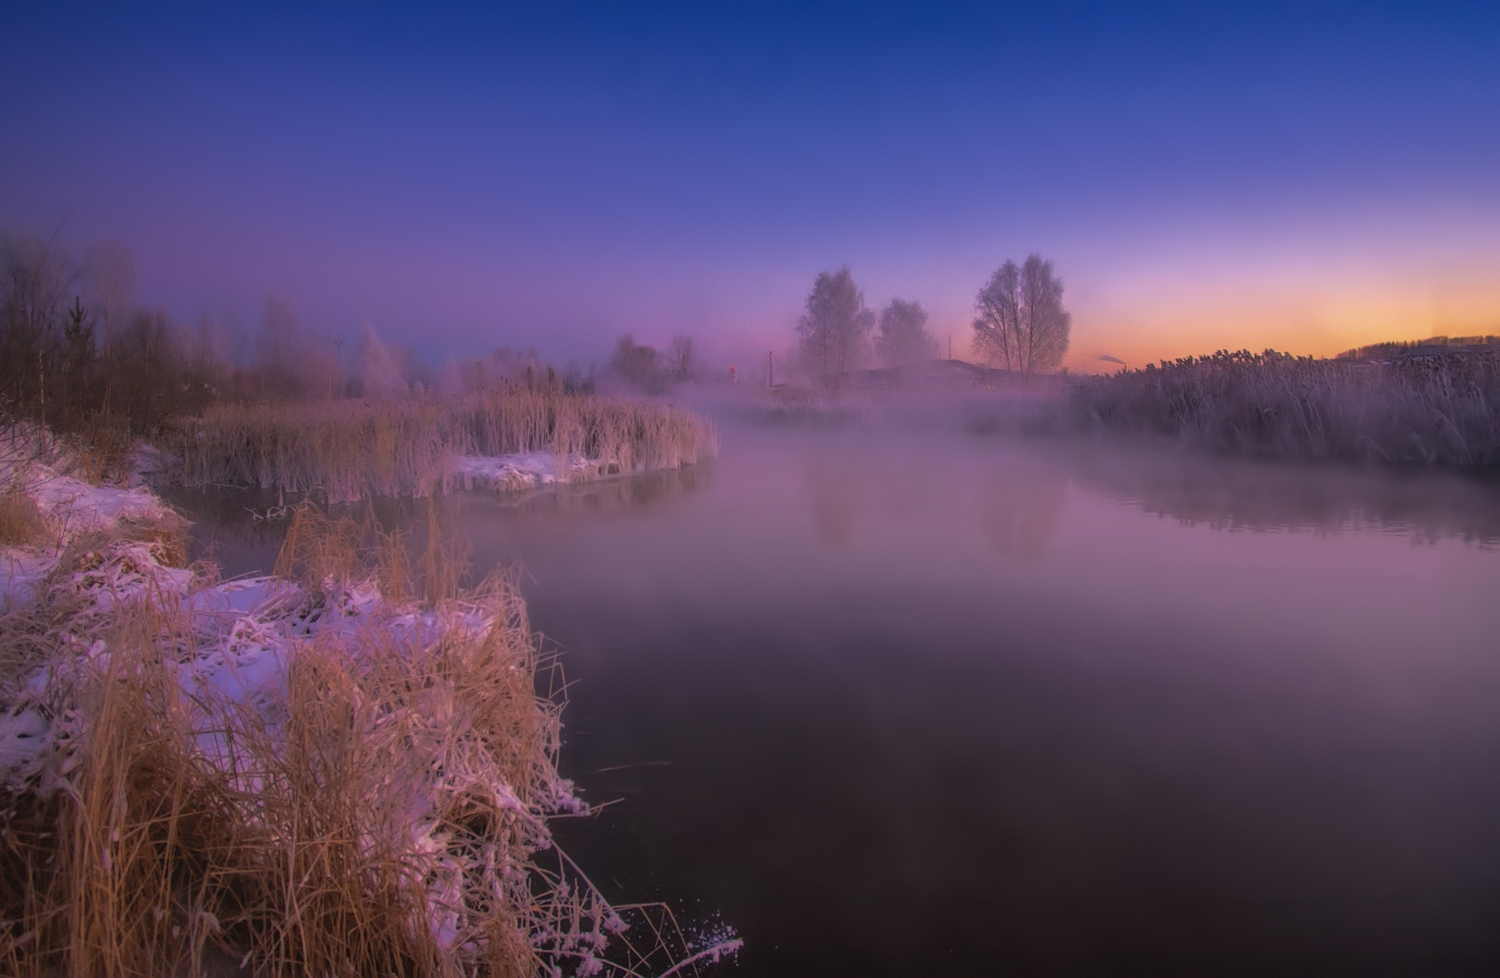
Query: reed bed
352, 779
355, 449
1439, 411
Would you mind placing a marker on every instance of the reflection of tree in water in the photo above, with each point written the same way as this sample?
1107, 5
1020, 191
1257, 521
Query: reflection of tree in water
1236, 494
1019, 513
835, 494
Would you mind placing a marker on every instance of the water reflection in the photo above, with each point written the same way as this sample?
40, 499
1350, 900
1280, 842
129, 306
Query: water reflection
1019, 511
241, 529
836, 497
639, 492
918, 704
1238, 494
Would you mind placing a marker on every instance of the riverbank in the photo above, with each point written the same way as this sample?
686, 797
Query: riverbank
344, 766
1438, 410
516, 437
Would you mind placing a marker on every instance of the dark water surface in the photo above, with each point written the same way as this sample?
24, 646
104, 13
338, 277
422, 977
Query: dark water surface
922, 704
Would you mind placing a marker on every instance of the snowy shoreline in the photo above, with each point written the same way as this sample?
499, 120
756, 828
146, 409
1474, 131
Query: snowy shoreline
523, 470
106, 571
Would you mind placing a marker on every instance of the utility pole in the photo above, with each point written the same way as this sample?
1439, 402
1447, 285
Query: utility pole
770, 369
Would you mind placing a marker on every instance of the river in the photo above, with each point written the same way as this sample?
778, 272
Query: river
915, 702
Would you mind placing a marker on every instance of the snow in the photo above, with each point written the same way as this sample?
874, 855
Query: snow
243, 633
72, 505
20, 570
69, 506
522, 470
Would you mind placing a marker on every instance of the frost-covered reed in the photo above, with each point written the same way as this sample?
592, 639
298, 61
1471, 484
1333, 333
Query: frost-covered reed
351, 449
1438, 411
343, 769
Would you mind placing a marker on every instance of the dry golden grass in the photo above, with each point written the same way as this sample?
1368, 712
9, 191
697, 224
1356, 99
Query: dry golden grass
381, 814
104, 448
353, 449
101, 449
61, 613
20, 520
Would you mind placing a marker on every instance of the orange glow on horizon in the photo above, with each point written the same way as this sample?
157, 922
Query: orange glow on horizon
1154, 318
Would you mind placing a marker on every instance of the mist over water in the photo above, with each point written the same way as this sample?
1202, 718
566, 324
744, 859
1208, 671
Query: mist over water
905, 702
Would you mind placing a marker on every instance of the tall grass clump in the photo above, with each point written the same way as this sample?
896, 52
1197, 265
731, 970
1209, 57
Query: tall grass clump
352, 779
20, 519
1437, 411
352, 449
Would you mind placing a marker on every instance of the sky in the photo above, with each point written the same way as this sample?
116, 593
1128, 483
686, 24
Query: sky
1302, 176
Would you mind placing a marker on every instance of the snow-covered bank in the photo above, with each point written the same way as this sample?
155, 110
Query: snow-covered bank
311, 776
66, 507
522, 470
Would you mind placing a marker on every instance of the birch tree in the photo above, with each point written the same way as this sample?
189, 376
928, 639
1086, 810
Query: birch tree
834, 329
1021, 324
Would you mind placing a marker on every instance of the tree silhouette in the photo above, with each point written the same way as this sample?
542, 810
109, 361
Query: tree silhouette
833, 330
1021, 323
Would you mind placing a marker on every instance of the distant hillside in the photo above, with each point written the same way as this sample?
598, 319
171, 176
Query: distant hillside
1434, 346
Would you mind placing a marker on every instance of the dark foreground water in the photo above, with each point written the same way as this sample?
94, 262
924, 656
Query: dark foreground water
927, 704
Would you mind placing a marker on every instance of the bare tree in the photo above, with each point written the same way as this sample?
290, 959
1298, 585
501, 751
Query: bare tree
144, 363
833, 330
380, 368
638, 364
110, 270
279, 347
997, 325
35, 281
1021, 323
680, 357
903, 335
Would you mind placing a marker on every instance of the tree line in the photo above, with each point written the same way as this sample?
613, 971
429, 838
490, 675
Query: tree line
78, 354
75, 352
650, 370
1020, 325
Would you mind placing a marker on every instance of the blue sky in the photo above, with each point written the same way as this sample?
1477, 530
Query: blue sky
553, 175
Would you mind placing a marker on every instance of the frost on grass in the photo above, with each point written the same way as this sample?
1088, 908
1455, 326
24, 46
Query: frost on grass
508, 439
315, 773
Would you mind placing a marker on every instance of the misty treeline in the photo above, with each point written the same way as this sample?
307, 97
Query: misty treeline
1021, 325
650, 370
79, 354
835, 334
76, 353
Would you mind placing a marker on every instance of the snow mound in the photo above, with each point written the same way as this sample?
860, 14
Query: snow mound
73, 506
